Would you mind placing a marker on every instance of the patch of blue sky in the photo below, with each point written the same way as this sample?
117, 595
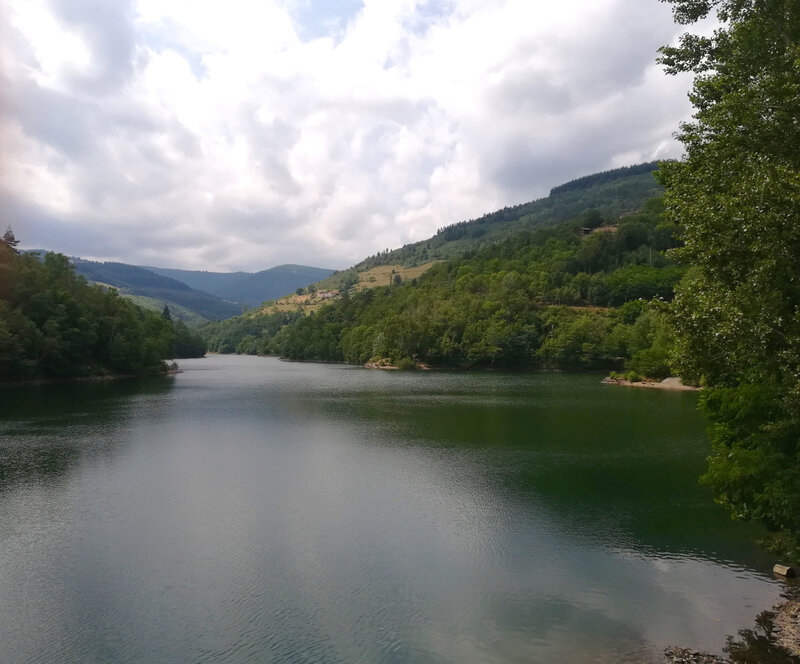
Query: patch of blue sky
167, 36
427, 14
323, 18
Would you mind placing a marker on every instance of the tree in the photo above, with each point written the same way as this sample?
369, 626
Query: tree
55, 325
736, 195
9, 240
165, 313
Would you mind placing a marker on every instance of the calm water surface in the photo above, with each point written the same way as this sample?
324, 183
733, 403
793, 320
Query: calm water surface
251, 510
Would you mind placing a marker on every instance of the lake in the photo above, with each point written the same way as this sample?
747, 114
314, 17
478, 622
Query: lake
253, 510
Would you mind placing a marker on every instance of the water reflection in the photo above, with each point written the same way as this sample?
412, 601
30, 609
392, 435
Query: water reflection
609, 461
46, 430
264, 511
758, 644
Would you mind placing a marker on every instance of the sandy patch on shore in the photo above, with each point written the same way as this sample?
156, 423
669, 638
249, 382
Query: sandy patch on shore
787, 625
672, 383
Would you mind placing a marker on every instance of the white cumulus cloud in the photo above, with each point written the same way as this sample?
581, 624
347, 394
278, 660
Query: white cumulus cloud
245, 134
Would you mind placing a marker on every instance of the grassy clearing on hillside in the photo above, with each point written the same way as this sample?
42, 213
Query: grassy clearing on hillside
383, 275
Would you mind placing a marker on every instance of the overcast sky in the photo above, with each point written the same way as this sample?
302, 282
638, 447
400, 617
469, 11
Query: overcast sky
249, 133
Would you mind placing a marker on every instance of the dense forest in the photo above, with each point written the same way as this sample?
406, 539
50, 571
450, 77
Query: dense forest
591, 181
563, 296
54, 325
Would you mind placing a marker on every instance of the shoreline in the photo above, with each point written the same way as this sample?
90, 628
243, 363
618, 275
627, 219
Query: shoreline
673, 383
394, 367
783, 632
98, 378
787, 623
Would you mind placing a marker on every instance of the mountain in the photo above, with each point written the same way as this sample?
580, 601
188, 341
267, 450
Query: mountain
602, 196
558, 283
202, 280
564, 296
137, 281
247, 287
592, 200
272, 283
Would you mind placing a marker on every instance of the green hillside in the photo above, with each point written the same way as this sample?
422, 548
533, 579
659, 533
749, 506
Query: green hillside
176, 310
562, 296
132, 280
54, 325
273, 283
602, 196
246, 287
590, 200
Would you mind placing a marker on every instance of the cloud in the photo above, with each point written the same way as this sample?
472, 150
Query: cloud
106, 30
252, 133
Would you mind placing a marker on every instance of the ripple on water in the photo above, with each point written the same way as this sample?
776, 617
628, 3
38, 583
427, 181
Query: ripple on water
263, 511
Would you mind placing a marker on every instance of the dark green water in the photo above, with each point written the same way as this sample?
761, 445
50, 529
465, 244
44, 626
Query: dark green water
250, 510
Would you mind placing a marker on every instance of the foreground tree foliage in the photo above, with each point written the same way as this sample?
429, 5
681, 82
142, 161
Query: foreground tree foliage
737, 196
54, 325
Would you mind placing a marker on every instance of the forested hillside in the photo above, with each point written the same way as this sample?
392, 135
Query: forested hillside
600, 197
560, 296
132, 280
590, 201
54, 325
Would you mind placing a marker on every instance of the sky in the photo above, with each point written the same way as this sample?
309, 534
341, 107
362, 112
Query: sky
244, 134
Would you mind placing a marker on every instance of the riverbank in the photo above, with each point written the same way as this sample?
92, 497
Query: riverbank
387, 366
169, 370
672, 383
774, 640
787, 624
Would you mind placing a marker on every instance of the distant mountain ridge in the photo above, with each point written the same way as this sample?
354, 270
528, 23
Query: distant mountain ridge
195, 295
590, 199
137, 281
251, 288
199, 279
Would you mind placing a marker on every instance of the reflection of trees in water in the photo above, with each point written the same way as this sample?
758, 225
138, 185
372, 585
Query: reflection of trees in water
24, 465
759, 645
45, 431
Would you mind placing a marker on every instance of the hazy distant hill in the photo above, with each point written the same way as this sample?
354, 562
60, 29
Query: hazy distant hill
247, 287
133, 280
209, 282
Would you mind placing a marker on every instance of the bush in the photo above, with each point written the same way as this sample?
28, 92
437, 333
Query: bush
406, 364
